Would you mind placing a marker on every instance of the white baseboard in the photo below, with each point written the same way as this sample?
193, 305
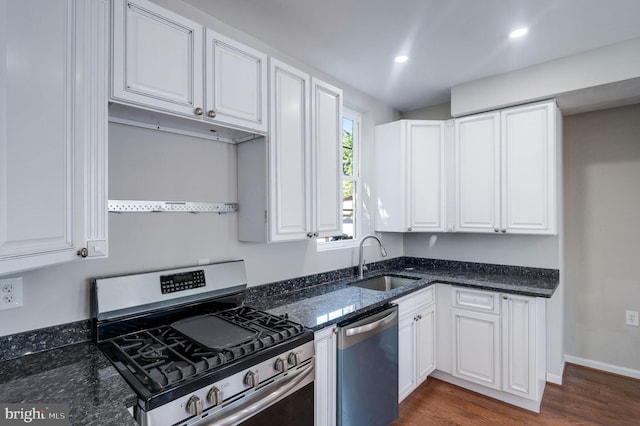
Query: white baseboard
623, 371
556, 379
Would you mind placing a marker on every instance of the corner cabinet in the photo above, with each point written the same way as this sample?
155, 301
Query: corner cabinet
416, 340
326, 375
162, 61
498, 345
506, 170
289, 183
53, 188
411, 165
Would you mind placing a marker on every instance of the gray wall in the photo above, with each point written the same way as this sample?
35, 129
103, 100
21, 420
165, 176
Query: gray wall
602, 212
434, 112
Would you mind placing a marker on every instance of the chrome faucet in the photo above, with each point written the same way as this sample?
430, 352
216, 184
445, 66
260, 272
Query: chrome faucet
361, 266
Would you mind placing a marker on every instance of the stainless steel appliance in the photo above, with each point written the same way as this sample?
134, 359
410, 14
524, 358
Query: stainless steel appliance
368, 368
195, 355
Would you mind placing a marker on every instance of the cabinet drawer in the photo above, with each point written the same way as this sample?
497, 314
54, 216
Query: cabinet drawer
413, 301
483, 301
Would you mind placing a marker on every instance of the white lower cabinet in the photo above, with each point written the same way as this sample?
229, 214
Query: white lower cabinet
476, 347
416, 340
497, 345
325, 380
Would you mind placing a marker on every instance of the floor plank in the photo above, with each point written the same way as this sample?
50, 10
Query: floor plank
587, 397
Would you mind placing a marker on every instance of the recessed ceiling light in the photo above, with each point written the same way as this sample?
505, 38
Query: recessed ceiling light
401, 59
518, 33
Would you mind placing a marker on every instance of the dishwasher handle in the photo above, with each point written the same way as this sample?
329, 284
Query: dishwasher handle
353, 331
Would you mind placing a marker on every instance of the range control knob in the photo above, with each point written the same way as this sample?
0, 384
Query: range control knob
194, 406
279, 365
214, 396
293, 359
251, 379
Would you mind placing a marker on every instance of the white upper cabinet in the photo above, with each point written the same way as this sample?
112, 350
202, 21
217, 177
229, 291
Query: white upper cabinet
506, 171
53, 193
529, 169
477, 168
236, 83
290, 153
157, 58
289, 187
158, 62
410, 171
326, 138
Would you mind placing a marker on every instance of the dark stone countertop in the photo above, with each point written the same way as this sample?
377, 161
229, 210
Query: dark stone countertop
78, 375
320, 306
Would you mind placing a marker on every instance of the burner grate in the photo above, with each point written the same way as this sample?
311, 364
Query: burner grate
162, 357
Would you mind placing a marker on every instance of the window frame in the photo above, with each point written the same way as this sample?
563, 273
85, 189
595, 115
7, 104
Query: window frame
356, 117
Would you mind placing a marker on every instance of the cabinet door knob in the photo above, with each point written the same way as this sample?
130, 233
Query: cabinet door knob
409, 229
505, 297
309, 234
83, 252
198, 111
211, 114
496, 230
504, 231
315, 234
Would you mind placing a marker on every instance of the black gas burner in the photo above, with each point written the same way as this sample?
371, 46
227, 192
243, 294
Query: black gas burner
162, 357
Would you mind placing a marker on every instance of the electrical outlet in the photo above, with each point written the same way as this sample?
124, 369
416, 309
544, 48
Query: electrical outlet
632, 318
11, 293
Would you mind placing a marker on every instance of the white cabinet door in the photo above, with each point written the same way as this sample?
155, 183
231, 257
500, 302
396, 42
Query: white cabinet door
290, 153
477, 164
529, 169
325, 380
326, 119
406, 356
519, 345
426, 343
236, 83
157, 58
476, 347
301, 198
410, 168
416, 340
53, 180
426, 180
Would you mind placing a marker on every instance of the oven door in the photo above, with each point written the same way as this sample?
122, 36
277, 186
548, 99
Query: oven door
287, 402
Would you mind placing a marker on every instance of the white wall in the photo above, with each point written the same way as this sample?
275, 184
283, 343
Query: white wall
598, 67
520, 250
602, 209
145, 164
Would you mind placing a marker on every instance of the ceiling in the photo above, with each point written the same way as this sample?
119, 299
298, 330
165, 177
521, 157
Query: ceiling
449, 42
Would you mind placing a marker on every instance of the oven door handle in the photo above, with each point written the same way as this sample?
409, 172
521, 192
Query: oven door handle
265, 397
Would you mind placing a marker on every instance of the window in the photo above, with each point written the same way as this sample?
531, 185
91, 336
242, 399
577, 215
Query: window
350, 181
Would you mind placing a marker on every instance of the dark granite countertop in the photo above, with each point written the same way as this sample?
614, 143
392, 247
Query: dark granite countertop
319, 306
78, 375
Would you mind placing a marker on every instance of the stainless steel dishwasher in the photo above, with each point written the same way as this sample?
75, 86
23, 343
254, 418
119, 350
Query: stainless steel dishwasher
368, 368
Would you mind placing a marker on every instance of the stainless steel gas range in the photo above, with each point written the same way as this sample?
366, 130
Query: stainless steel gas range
195, 355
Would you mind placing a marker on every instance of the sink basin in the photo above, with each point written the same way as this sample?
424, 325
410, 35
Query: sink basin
384, 282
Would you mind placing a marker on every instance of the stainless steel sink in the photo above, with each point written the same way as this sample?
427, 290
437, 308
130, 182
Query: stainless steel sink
385, 282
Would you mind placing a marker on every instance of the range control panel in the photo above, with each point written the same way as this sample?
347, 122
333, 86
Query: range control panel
182, 281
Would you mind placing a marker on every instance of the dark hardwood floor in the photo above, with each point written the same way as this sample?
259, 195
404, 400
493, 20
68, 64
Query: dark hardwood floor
587, 397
